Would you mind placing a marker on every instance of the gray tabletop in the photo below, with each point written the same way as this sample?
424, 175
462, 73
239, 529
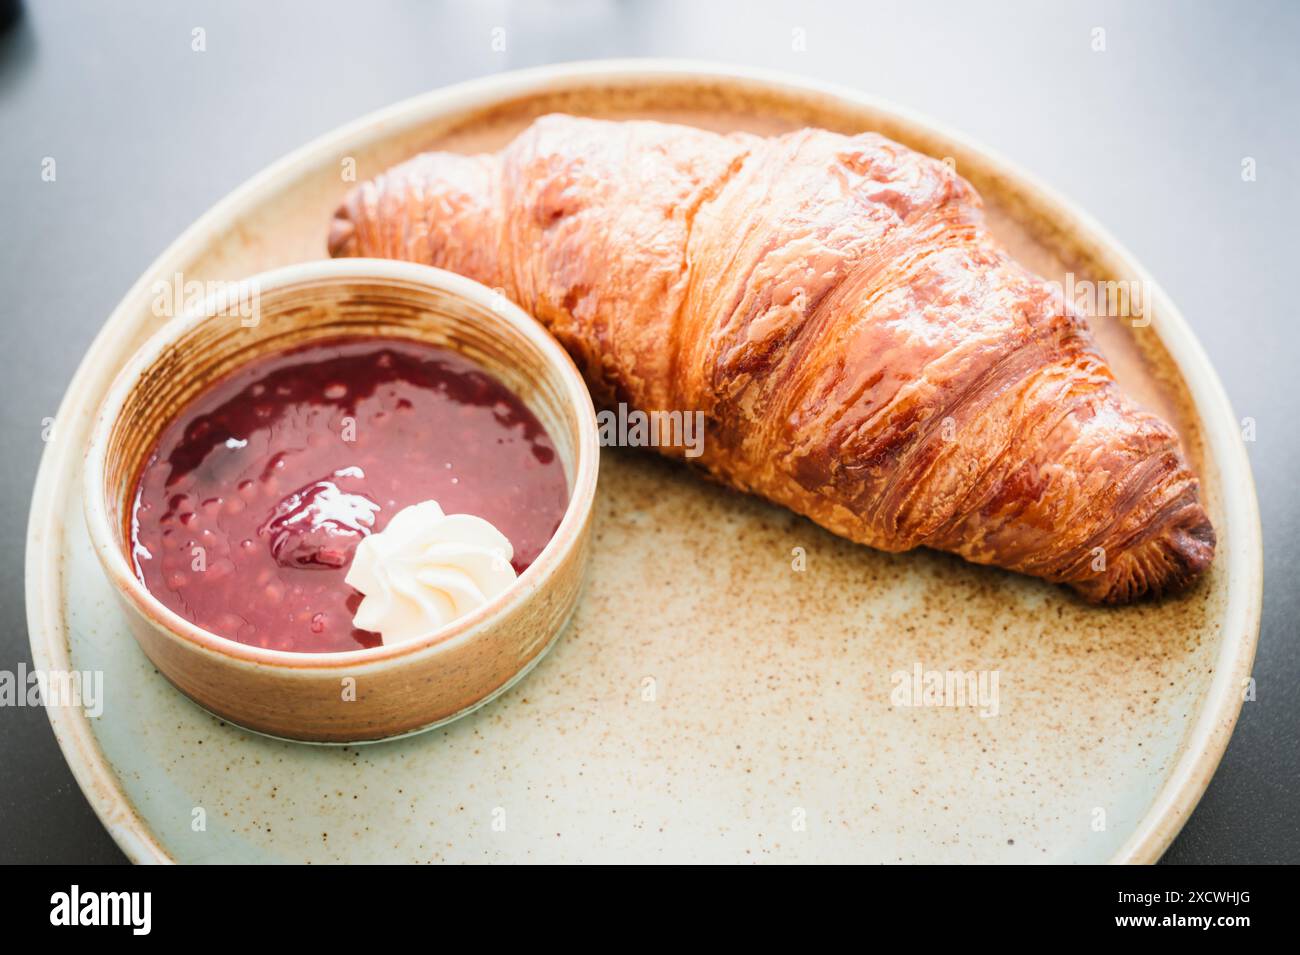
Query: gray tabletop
1149, 134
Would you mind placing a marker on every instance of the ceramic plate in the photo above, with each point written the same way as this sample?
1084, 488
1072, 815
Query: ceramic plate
730, 687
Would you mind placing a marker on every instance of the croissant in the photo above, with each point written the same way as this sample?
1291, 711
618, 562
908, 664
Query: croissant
861, 348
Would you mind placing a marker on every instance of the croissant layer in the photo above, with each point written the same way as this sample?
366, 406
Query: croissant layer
863, 351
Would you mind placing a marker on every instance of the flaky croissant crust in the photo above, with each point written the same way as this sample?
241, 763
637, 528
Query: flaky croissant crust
863, 350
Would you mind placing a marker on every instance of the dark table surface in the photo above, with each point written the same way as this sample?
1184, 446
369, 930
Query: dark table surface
1149, 135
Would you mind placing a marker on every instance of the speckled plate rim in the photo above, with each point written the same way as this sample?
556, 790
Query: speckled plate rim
1209, 733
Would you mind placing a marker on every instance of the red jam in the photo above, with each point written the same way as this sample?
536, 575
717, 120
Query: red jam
248, 511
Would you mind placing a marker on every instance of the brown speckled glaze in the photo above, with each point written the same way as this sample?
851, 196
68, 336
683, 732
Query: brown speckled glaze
393, 690
708, 701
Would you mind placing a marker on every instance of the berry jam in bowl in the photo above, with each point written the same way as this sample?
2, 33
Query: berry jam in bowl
348, 503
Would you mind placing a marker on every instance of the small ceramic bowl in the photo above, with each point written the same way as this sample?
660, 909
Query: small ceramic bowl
365, 694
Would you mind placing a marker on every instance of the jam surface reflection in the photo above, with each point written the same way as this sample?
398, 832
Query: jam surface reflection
248, 511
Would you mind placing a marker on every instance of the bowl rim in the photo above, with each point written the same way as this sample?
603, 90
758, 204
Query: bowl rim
1207, 734
103, 524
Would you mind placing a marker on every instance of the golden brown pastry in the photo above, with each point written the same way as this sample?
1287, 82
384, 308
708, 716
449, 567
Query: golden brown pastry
863, 350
